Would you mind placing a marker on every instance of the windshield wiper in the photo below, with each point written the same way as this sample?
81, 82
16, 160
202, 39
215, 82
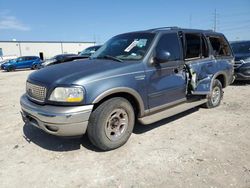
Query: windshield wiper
110, 57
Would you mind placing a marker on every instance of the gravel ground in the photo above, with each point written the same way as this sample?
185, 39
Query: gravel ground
198, 148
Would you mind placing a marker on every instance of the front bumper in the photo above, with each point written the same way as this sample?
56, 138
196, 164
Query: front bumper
243, 72
56, 120
239, 76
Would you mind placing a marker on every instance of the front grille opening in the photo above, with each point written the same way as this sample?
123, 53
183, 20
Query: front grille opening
237, 64
36, 92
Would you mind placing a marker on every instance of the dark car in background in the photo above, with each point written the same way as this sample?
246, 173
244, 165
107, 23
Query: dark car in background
89, 51
32, 62
58, 59
241, 51
61, 58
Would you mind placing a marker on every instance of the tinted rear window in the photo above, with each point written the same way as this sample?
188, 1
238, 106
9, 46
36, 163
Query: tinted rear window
220, 46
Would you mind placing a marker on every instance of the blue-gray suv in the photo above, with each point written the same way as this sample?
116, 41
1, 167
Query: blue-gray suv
146, 76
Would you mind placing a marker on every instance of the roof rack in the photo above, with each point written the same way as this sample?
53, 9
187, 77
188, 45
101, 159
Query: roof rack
164, 28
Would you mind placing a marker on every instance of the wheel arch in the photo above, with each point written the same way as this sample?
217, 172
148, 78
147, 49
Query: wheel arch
130, 94
222, 77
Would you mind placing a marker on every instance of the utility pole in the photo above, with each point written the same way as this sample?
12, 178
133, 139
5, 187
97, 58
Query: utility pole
190, 21
215, 20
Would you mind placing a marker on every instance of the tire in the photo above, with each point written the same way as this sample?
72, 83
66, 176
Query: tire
33, 67
111, 124
9, 69
214, 99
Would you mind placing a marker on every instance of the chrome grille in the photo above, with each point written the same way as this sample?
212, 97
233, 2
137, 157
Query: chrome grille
237, 64
36, 92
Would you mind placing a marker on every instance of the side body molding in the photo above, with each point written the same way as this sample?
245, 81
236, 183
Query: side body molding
127, 90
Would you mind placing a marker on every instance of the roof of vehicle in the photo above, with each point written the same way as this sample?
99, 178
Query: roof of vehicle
28, 56
64, 55
174, 28
96, 46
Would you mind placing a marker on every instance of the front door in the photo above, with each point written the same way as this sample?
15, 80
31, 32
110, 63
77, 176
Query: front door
167, 80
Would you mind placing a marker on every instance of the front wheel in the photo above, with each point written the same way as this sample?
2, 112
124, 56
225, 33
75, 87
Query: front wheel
33, 67
11, 68
214, 99
111, 123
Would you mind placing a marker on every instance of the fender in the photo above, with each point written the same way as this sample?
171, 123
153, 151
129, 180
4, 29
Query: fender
218, 74
130, 91
205, 86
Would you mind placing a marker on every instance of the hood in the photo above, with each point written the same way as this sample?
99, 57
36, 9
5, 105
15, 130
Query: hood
80, 72
241, 56
7, 63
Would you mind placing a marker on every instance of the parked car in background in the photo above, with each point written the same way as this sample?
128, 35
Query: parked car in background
146, 75
89, 51
8, 57
4, 61
241, 51
58, 59
61, 58
32, 62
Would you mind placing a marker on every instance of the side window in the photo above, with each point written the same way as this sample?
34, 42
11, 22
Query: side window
220, 46
27, 58
196, 46
193, 46
170, 43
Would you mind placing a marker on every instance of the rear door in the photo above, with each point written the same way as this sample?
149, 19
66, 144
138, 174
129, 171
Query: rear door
166, 81
200, 64
29, 61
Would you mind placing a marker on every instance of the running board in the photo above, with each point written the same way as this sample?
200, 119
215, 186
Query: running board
170, 112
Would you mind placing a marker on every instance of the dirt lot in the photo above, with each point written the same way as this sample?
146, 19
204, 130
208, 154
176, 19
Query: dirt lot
198, 148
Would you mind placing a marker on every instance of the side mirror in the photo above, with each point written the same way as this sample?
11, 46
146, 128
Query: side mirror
162, 56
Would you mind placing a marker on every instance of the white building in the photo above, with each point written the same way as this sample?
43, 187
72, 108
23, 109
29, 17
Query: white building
45, 49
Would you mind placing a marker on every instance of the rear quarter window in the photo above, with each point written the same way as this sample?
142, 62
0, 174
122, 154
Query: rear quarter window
219, 46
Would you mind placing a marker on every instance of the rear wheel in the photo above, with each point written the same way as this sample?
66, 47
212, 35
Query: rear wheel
111, 124
214, 99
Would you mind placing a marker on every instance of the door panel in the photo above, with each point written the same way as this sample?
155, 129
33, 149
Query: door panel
202, 72
166, 84
20, 64
166, 80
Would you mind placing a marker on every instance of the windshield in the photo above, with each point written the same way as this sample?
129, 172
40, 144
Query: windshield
130, 46
241, 47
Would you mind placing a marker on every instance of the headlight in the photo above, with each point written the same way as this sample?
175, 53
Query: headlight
67, 94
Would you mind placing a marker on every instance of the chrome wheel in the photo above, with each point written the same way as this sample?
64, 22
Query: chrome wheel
216, 95
116, 124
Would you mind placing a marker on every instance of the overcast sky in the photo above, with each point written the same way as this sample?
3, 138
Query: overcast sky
78, 20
